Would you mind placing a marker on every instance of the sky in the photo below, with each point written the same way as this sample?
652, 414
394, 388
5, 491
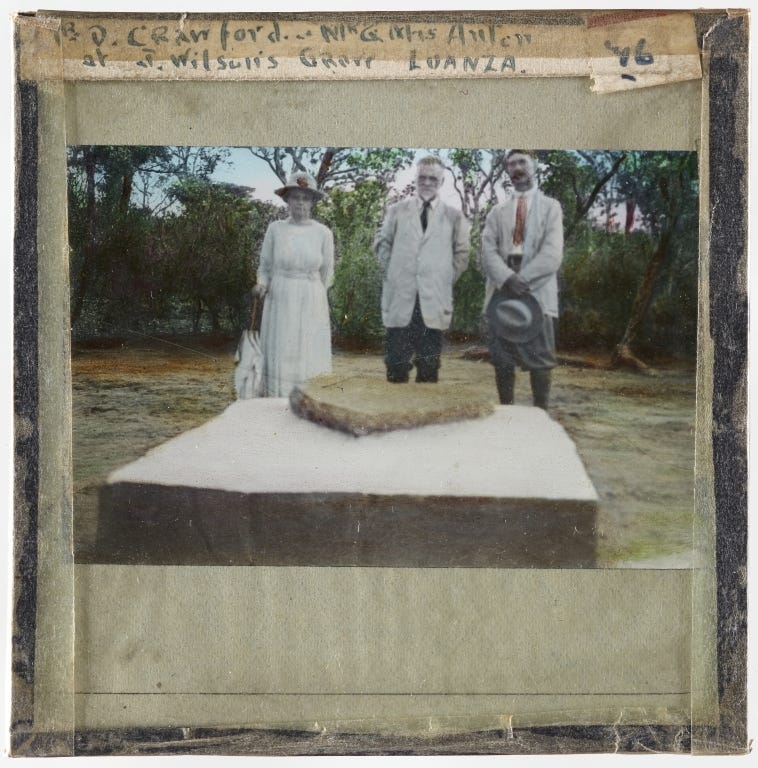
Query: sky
247, 170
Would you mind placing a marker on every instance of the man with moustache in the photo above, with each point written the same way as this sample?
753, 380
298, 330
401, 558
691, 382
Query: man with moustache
423, 247
522, 250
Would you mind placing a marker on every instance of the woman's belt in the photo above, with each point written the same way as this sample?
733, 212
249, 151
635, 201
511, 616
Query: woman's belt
297, 274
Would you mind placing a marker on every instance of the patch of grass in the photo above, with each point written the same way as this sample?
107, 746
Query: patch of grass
651, 534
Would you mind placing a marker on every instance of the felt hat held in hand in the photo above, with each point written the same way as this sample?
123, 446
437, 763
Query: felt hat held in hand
514, 318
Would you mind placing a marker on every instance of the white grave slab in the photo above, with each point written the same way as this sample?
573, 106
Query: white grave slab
259, 485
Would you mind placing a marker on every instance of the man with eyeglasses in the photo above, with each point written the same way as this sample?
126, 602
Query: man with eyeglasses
423, 247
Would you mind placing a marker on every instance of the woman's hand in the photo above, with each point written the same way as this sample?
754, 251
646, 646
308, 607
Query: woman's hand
260, 290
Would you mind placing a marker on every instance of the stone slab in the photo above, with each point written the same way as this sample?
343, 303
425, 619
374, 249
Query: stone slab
361, 405
258, 485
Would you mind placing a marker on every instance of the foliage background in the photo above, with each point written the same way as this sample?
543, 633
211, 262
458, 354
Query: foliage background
159, 245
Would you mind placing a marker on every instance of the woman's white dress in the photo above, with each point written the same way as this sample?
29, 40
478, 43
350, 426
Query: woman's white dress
297, 266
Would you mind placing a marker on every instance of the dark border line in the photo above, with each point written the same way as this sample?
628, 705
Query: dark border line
727, 93
25, 403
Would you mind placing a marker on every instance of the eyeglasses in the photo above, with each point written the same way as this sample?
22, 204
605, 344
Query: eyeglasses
429, 179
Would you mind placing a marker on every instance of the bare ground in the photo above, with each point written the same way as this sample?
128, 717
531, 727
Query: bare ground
634, 432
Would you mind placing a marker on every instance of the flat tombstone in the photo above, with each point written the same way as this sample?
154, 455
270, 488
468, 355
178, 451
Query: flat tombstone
260, 486
362, 405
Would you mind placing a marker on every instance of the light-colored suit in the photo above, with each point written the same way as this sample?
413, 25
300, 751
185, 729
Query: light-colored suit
542, 248
424, 263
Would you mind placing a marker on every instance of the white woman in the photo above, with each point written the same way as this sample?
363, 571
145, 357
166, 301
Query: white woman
296, 268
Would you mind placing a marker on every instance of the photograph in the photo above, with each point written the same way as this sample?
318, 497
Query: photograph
559, 283
379, 401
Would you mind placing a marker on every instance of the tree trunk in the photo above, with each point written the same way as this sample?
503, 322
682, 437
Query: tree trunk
326, 164
622, 354
88, 251
126, 192
196, 315
631, 208
215, 322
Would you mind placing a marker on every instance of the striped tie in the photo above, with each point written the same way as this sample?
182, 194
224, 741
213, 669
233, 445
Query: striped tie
518, 229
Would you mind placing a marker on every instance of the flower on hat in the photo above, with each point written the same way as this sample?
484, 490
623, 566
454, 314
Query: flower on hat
301, 180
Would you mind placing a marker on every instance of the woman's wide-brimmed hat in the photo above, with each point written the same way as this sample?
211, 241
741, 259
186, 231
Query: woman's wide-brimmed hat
302, 181
514, 318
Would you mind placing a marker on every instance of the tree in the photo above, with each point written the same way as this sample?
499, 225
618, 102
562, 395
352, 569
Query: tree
210, 248
666, 191
477, 174
622, 272
104, 226
579, 180
154, 180
335, 166
354, 215
115, 195
100, 187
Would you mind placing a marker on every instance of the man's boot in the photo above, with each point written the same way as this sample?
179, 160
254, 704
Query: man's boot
540, 381
427, 370
504, 378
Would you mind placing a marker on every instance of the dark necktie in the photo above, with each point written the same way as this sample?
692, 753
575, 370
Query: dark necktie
425, 214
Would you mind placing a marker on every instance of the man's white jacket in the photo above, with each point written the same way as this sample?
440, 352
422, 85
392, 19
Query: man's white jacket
417, 262
542, 248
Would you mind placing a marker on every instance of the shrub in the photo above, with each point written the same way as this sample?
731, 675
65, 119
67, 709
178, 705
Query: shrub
356, 295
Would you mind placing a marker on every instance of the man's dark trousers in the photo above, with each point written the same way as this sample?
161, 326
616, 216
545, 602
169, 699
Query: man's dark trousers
402, 343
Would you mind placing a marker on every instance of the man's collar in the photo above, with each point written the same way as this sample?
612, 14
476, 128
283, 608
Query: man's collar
526, 193
433, 203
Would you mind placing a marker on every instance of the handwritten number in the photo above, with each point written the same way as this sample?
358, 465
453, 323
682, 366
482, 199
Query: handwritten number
622, 53
641, 58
